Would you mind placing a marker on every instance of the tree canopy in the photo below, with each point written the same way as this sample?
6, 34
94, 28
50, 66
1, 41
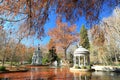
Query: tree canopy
35, 13
52, 56
98, 36
63, 35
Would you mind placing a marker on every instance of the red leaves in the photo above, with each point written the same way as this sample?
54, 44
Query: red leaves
51, 44
63, 35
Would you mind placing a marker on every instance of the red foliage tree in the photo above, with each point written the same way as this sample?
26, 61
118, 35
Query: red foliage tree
35, 13
63, 35
51, 44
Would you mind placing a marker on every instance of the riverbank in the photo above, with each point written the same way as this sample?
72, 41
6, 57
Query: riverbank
106, 68
13, 69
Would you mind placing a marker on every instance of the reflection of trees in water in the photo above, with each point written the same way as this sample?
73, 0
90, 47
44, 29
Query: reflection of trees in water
39, 73
82, 76
46, 73
105, 75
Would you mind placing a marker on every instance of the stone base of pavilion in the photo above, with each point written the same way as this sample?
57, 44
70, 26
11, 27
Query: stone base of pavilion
80, 70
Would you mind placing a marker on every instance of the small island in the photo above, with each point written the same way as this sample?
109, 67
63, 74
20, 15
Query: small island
81, 60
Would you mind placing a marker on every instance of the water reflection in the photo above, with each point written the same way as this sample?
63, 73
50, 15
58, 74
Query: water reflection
47, 73
82, 76
105, 76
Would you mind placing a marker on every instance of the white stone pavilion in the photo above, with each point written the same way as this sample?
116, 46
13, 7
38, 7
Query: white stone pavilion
81, 57
37, 57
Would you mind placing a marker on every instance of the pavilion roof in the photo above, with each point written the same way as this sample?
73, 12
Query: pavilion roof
81, 51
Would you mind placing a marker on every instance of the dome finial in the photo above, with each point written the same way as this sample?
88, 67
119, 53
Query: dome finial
78, 45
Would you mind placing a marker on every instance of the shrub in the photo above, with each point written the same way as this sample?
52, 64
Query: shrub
79, 67
30, 60
2, 68
83, 67
58, 61
88, 67
44, 60
76, 66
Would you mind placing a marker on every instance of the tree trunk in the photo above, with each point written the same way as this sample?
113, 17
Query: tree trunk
4, 55
12, 56
11, 62
115, 52
3, 60
65, 53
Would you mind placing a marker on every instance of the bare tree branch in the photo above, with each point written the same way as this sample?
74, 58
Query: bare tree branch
11, 20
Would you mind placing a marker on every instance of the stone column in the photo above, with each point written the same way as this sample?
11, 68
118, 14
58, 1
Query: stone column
88, 59
84, 60
74, 60
79, 60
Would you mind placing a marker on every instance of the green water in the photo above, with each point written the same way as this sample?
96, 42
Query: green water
46, 73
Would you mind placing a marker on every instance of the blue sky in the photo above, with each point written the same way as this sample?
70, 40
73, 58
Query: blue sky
51, 24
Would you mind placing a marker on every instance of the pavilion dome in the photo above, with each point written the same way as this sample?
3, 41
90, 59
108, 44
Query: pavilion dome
81, 51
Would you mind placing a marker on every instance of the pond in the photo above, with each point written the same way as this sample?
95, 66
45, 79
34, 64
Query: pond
46, 73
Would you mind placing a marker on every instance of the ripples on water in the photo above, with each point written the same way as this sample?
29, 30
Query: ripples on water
46, 73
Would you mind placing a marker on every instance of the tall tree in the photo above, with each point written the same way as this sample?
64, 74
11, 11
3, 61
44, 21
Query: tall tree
98, 36
111, 27
17, 46
34, 17
98, 40
52, 56
3, 44
84, 41
63, 35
